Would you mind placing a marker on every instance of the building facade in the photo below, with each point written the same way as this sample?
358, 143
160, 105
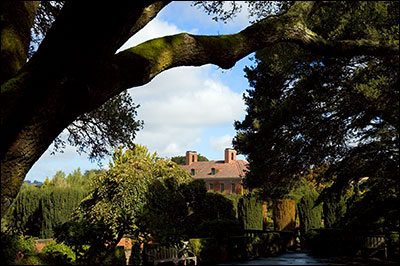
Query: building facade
224, 176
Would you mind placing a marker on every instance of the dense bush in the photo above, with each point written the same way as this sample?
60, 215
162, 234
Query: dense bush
237, 248
265, 244
117, 257
32, 259
57, 254
250, 212
284, 214
309, 213
15, 247
56, 206
37, 211
219, 229
208, 250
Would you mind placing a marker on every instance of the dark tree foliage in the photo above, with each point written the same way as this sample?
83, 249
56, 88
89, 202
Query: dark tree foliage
46, 14
218, 9
228, 10
307, 110
102, 130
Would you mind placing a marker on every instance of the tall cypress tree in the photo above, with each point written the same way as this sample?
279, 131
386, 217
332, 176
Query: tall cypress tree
38, 212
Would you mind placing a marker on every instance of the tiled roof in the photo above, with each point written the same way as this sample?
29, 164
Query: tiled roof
234, 169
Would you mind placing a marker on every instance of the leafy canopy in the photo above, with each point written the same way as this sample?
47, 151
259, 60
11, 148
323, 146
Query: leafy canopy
116, 203
307, 111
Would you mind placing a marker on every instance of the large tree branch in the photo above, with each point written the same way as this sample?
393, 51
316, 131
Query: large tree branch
51, 90
70, 56
16, 22
138, 65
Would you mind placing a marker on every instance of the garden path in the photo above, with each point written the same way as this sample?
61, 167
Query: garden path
290, 258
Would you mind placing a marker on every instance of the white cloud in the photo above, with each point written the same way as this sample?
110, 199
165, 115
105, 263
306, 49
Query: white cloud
221, 143
184, 98
179, 104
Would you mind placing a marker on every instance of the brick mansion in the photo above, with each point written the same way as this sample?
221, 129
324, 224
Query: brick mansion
223, 176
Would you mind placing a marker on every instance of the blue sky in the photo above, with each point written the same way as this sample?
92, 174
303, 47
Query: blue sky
185, 108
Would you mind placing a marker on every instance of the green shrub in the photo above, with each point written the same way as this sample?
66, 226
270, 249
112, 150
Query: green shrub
266, 244
57, 254
117, 257
237, 248
310, 215
394, 239
38, 211
207, 250
220, 228
32, 260
250, 213
255, 246
13, 244
198, 245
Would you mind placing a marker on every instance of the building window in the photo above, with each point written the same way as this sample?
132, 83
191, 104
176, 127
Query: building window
233, 188
211, 187
222, 187
192, 171
232, 156
213, 171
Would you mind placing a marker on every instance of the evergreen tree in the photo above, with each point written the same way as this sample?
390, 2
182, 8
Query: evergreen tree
308, 110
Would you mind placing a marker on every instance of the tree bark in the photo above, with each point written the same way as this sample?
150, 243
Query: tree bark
75, 69
16, 20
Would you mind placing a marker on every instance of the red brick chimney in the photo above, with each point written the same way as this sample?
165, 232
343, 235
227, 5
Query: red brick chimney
230, 155
191, 157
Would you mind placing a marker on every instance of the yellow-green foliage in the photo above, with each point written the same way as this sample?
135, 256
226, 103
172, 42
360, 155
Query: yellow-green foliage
120, 193
284, 214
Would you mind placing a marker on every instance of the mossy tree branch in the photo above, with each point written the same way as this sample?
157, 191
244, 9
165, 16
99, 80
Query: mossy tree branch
154, 56
42, 97
16, 22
